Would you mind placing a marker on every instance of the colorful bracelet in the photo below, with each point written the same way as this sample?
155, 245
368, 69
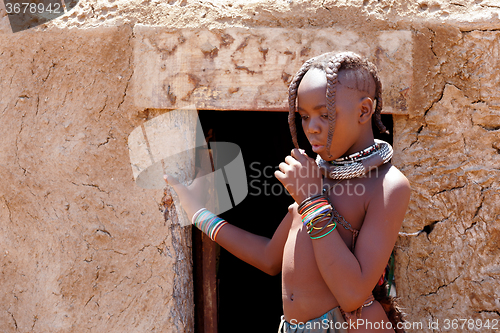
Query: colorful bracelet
196, 214
314, 217
313, 207
307, 202
318, 209
209, 223
321, 236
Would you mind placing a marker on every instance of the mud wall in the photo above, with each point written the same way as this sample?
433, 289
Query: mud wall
84, 249
448, 256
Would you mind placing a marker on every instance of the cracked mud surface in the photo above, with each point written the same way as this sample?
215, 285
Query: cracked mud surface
448, 254
81, 245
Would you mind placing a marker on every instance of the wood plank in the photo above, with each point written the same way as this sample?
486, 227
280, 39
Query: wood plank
204, 259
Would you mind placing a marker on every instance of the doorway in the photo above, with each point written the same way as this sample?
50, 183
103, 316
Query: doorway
246, 298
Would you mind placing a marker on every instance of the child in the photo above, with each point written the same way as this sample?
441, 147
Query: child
334, 244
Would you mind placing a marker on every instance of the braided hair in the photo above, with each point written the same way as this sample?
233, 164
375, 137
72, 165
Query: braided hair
332, 63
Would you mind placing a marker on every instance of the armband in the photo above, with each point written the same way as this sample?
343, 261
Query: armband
209, 223
317, 210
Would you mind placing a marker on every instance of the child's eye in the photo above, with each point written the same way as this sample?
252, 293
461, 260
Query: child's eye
324, 116
304, 117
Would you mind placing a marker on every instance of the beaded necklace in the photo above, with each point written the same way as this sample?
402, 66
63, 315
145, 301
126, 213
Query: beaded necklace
360, 154
358, 164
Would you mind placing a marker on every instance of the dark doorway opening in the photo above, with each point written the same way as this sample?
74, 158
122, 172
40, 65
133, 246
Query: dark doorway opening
248, 300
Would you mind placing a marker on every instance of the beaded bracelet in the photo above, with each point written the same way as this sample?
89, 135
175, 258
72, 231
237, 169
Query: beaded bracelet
308, 201
209, 223
315, 216
312, 206
328, 232
314, 210
314, 232
196, 214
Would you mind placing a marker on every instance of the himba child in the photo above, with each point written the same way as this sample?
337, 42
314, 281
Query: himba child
335, 241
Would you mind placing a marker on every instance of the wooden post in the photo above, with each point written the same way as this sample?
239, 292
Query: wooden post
205, 255
166, 144
182, 312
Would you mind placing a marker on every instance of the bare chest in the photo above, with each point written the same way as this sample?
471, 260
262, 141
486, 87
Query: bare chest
298, 255
303, 288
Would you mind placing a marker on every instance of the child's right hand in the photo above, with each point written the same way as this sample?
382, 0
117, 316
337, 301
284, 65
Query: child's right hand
191, 197
300, 175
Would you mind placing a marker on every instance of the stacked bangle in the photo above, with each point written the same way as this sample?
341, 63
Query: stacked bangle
208, 223
317, 210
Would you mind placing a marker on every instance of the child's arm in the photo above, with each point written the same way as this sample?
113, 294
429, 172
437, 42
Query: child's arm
352, 277
263, 253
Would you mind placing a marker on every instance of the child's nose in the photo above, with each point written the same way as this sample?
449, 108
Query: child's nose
314, 126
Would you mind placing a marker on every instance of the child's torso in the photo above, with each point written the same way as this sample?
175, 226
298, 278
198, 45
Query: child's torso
305, 294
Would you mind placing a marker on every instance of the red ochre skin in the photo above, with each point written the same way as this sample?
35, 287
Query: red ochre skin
318, 275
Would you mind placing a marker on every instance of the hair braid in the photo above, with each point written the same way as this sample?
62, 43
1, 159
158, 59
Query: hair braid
292, 97
378, 98
331, 70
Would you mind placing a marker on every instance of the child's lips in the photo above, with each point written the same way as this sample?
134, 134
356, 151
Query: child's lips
316, 148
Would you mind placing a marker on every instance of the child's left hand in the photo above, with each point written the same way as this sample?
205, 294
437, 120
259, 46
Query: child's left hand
192, 197
300, 175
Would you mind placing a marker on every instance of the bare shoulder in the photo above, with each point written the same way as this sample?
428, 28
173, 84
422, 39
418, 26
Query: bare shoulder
385, 212
392, 191
390, 195
387, 179
395, 180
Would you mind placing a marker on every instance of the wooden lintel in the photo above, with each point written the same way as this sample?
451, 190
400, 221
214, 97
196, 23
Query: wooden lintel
250, 69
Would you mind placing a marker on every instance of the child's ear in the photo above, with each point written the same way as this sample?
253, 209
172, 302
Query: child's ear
366, 110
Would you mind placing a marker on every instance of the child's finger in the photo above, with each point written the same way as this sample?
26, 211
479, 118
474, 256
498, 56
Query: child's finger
283, 168
290, 160
280, 176
171, 180
179, 188
299, 154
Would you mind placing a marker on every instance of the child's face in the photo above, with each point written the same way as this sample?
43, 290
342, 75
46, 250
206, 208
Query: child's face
311, 102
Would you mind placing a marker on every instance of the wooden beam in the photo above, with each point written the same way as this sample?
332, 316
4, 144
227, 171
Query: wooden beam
250, 69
